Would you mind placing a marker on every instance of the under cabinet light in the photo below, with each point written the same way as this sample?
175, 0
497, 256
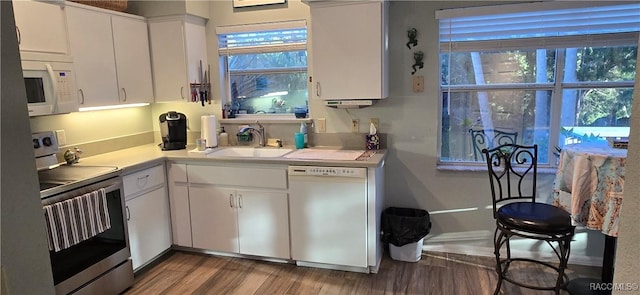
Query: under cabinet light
119, 106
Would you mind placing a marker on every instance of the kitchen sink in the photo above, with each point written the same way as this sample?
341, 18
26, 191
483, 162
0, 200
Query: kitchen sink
250, 152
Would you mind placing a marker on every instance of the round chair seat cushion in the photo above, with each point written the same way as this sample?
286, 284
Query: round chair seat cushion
535, 217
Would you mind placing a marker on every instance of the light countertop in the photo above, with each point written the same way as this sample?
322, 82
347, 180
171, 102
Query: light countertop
140, 157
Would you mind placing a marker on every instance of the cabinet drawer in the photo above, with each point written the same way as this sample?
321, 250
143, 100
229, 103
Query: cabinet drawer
139, 181
253, 177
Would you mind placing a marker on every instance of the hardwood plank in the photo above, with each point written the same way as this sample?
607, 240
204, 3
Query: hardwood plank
435, 273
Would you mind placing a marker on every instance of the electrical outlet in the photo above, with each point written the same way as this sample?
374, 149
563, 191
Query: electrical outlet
61, 137
322, 125
418, 84
376, 122
355, 126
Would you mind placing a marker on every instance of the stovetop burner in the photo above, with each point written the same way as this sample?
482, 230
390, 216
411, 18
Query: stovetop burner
49, 185
67, 177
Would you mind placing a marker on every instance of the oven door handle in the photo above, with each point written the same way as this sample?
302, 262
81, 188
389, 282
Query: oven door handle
108, 185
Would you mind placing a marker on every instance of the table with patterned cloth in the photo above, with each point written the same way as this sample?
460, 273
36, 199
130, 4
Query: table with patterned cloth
589, 185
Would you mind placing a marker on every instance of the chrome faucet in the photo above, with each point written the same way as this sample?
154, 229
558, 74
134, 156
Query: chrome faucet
259, 130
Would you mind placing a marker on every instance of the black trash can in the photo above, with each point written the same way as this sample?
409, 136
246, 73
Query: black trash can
404, 229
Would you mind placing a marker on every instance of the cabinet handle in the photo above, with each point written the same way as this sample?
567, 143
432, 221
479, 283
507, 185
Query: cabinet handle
125, 94
81, 95
240, 201
128, 213
181, 94
19, 36
231, 200
318, 91
142, 181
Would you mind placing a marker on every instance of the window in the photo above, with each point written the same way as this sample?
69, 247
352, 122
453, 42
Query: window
265, 67
550, 74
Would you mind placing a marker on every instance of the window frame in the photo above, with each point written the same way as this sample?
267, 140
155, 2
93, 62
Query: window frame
225, 51
559, 43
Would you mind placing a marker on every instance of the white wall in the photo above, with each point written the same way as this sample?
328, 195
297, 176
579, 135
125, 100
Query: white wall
84, 127
627, 262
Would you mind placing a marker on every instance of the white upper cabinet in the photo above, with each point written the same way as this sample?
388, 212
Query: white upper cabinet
111, 56
41, 27
178, 45
348, 50
133, 62
92, 50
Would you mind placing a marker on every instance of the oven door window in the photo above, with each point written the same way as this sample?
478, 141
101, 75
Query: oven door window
73, 260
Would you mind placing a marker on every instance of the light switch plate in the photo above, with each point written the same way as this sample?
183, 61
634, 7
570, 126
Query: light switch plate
322, 125
355, 125
418, 84
61, 137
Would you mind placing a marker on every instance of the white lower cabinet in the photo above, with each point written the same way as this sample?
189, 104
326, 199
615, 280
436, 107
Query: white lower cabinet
149, 226
213, 219
148, 214
229, 215
263, 223
240, 221
179, 203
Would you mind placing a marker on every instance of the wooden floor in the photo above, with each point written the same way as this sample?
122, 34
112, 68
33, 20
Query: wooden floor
436, 273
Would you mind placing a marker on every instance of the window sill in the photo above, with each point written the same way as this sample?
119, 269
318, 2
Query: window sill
482, 168
270, 119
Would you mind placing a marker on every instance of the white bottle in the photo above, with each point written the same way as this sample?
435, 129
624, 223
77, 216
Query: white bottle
303, 130
223, 137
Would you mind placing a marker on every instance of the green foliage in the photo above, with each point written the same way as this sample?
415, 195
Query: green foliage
604, 64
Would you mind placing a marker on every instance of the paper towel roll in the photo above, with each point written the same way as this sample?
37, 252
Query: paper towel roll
209, 130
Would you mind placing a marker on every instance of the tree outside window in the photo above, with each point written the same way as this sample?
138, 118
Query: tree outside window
503, 77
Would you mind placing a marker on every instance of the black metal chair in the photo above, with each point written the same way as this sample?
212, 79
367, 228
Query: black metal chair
490, 138
512, 172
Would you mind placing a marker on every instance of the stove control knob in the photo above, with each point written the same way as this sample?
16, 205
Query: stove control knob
47, 141
36, 143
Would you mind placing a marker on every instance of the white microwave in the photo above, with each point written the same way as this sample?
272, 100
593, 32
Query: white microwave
50, 87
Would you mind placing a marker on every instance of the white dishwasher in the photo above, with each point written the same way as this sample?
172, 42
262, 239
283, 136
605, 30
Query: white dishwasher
328, 212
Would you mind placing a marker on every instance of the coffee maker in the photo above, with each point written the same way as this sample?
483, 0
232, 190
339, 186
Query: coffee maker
173, 130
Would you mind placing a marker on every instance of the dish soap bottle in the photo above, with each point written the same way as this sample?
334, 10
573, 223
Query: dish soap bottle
303, 130
223, 137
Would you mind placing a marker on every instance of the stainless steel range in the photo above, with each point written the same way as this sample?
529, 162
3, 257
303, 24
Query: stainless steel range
86, 225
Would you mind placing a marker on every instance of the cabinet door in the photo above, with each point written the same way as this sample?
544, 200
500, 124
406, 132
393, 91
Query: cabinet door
263, 223
92, 50
132, 57
168, 54
196, 50
177, 48
149, 226
347, 38
213, 218
179, 201
40, 27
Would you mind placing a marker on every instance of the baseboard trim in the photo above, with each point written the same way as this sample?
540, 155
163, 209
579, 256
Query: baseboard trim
488, 252
333, 266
